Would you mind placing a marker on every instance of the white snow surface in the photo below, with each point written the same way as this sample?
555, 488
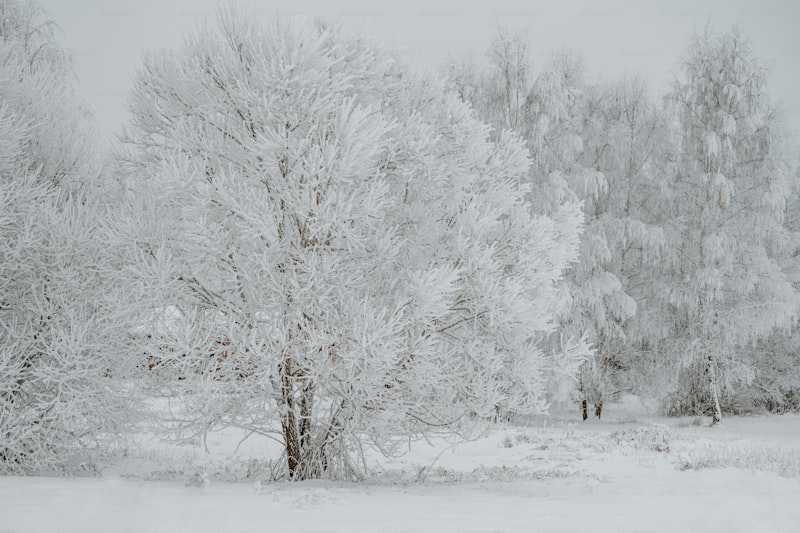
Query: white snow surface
630, 472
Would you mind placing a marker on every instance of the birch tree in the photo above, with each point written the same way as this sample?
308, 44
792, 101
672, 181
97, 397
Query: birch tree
728, 194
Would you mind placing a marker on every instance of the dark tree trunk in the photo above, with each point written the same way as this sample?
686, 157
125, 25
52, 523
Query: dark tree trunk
292, 443
291, 437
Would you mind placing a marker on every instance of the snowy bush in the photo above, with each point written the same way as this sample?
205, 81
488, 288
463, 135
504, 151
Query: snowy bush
57, 396
758, 456
656, 438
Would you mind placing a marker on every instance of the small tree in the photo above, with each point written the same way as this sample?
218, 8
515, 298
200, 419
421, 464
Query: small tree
343, 255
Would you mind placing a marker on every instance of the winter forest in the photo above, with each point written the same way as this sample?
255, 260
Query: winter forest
304, 240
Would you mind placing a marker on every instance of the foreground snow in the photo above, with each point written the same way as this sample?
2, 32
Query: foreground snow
630, 473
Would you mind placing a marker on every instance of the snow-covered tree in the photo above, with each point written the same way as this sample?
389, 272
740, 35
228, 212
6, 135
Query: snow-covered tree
621, 134
38, 84
509, 54
498, 83
558, 115
773, 362
776, 384
639, 171
56, 398
329, 250
724, 287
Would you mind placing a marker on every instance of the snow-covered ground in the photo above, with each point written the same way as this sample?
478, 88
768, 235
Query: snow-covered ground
629, 472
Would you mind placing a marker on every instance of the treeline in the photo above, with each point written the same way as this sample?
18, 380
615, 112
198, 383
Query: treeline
301, 236
687, 282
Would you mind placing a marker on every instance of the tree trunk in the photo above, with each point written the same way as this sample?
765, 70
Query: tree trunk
711, 381
585, 409
291, 438
292, 445
708, 336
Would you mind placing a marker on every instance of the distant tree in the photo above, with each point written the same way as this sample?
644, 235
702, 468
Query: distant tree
509, 54
726, 199
56, 399
38, 85
622, 133
771, 364
685, 250
337, 252
497, 84
565, 124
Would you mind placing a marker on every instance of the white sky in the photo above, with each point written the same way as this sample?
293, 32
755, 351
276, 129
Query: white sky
615, 37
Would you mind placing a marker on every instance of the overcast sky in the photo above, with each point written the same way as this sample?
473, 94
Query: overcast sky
615, 37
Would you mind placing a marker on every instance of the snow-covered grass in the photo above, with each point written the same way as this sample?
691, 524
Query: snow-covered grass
761, 456
628, 472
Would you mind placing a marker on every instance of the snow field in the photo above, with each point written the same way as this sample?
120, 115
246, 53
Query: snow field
556, 474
